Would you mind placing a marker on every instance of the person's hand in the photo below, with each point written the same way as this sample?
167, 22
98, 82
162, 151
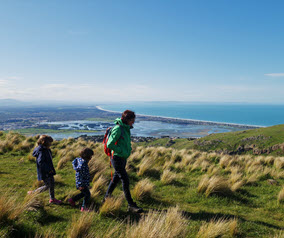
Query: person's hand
81, 188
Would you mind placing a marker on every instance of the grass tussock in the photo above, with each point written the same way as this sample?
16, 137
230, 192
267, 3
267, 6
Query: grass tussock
49, 233
65, 159
218, 228
99, 186
155, 224
143, 189
279, 235
214, 185
279, 163
111, 206
10, 209
7, 207
280, 197
97, 167
81, 225
145, 166
168, 177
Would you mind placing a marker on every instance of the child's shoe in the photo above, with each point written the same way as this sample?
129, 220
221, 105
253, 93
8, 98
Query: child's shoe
83, 209
55, 201
71, 202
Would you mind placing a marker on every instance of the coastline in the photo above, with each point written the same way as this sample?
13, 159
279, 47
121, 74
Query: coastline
187, 121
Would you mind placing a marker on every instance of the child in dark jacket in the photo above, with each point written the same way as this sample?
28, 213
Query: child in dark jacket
45, 168
80, 165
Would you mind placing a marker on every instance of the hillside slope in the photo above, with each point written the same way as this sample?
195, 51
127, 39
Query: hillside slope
269, 140
185, 193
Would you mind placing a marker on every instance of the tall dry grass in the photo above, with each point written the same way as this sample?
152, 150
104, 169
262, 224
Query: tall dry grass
279, 163
214, 185
7, 207
11, 209
99, 186
70, 156
218, 228
111, 206
280, 197
168, 177
145, 165
48, 233
279, 235
80, 226
143, 189
155, 224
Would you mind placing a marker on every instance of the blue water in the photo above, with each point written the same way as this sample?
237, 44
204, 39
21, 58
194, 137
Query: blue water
248, 114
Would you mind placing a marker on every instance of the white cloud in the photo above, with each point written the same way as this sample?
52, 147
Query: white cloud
3, 82
275, 75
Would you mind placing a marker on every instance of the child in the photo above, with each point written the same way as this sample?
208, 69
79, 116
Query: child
45, 168
80, 165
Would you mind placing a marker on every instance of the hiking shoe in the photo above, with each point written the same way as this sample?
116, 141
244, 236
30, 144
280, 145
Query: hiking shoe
83, 209
55, 201
71, 202
134, 208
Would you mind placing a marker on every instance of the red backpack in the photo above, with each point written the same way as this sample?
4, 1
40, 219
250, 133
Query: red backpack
107, 134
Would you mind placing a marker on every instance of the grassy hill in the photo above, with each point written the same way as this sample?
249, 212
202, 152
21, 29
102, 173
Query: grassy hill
261, 141
185, 192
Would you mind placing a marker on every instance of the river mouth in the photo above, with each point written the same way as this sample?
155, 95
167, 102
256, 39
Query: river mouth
157, 129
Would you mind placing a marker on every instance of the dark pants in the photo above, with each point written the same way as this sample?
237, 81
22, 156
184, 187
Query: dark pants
84, 193
120, 174
48, 184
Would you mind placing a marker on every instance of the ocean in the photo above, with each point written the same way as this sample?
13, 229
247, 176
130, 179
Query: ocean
246, 114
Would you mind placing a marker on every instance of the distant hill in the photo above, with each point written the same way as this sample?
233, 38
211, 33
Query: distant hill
269, 140
11, 103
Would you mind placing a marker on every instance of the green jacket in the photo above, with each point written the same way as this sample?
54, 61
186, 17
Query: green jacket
123, 147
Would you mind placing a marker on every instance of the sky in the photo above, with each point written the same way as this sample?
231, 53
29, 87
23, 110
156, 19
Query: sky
150, 50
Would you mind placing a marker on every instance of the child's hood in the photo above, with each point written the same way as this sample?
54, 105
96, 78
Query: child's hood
78, 163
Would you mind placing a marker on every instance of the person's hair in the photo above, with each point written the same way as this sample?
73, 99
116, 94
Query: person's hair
127, 116
86, 153
44, 139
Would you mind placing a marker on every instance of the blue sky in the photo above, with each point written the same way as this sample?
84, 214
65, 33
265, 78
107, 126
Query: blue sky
156, 50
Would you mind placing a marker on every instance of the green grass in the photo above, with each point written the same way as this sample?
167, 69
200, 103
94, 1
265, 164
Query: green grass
255, 206
261, 138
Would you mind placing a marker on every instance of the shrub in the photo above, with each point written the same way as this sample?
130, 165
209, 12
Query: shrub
143, 189
218, 228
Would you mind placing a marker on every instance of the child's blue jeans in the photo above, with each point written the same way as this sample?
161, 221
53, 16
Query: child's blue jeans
84, 193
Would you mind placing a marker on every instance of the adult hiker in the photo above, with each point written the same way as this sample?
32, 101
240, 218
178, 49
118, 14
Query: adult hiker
119, 142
